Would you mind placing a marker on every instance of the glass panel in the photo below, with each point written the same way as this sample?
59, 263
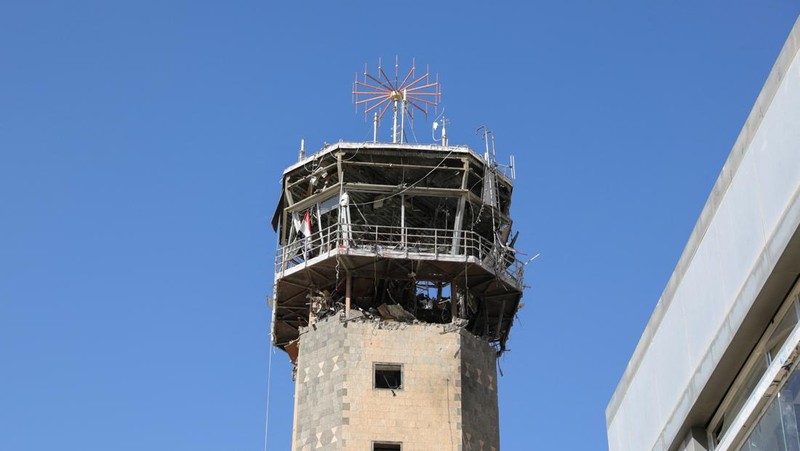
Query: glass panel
781, 332
760, 358
768, 433
748, 385
789, 400
778, 428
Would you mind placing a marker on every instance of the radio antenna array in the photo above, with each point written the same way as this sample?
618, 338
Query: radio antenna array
377, 93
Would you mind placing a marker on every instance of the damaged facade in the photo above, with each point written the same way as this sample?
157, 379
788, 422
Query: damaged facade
396, 286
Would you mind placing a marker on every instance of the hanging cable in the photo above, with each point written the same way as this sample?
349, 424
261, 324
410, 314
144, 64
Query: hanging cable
269, 384
412, 185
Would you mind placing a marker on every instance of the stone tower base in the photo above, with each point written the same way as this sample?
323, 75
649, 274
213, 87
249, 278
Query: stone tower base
374, 385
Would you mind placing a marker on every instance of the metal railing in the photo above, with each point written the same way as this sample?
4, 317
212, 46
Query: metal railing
399, 242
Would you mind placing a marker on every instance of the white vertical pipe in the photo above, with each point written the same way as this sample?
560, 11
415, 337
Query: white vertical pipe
394, 125
403, 117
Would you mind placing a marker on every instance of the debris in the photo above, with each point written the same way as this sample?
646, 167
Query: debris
401, 314
395, 312
292, 348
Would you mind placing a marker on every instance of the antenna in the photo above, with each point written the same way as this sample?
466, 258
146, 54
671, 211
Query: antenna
302, 155
486, 133
443, 121
378, 93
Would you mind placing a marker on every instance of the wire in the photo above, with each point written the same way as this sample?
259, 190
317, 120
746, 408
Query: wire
361, 214
269, 384
409, 186
413, 133
354, 155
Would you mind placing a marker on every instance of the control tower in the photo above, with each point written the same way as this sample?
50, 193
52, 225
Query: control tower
396, 284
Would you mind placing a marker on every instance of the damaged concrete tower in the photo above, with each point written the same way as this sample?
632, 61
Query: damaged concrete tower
396, 285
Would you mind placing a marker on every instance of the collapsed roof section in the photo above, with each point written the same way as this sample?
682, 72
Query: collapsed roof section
397, 231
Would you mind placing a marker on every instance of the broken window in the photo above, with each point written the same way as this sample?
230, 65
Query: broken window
386, 446
389, 376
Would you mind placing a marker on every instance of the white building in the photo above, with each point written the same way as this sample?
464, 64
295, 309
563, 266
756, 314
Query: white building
717, 365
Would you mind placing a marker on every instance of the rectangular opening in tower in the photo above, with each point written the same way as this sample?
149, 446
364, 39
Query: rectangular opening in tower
383, 446
388, 376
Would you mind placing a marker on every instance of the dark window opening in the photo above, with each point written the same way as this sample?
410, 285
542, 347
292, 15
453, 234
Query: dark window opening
389, 376
386, 446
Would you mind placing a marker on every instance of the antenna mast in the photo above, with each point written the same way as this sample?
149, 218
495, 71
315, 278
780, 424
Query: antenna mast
443, 121
486, 132
378, 93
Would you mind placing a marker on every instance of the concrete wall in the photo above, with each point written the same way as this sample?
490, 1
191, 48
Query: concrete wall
744, 230
480, 416
338, 408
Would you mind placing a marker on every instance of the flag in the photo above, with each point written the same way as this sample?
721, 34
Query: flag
305, 227
302, 226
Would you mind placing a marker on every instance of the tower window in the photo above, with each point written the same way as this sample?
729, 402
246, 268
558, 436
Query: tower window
388, 376
386, 446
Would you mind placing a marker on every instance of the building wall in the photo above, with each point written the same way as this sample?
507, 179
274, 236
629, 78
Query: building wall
733, 257
321, 398
479, 395
443, 370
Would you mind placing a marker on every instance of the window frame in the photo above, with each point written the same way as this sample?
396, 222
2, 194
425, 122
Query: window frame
375, 369
760, 352
387, 443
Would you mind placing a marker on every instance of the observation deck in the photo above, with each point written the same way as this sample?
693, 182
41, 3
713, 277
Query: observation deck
396, 231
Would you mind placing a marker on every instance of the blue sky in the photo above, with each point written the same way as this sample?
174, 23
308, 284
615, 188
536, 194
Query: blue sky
141, 145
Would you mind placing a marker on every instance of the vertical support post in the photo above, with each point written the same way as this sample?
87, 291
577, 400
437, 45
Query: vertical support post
348, 291
459, 220
340, 171
284, 232
453, 300
339, 226
457, 225
403, 221
320, 246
